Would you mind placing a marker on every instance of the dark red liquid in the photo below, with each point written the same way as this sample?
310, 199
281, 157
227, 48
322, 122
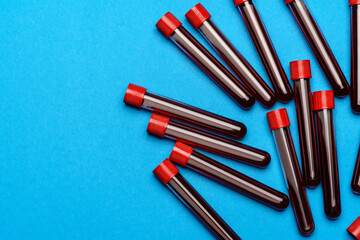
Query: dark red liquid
328, 162
266, 51
355, 182
355, 61
200, 208
193, 115
320, 48
212, 67
294, 180
307, 133
237, 181
216, 144
238, 64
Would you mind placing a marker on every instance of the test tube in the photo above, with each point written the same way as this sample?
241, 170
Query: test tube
172, 28
279, 123
165, 127
265, 49
320, 47
199, 17
355, 56
169, 175
355, 182
301, 74
186, 156
354, 229
139, 97
323, 105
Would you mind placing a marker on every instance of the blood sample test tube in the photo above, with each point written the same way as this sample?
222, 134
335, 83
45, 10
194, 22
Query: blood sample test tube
301, 74
199, 17
354, 229
172, 28
186, 156
165, 127
138, 96
265, 49
355, 56
320, 47
323, 104
169, 175
355, 182
279, 123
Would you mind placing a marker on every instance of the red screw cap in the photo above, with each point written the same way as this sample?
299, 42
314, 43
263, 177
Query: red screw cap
288, 1
197, 15
167, 24
158, 124
300, 69
134, 95
354, 2
354, 229
165, 171
238, 2
278, 119
181, 153
323, 100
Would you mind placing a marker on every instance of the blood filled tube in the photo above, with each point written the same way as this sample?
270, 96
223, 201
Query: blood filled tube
169, 175
355, 55
199, 17
320, 47
138, 96
171, 27
265, 49
279, 123
355, 182
165, 127
323, 105
186, 156
301, 74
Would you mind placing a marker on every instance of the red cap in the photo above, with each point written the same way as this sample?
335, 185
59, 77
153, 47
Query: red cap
134, 95
181, 153
300, 69
167, 24
354, 2
354, 229
238, 2
158, 124
288, 1
278, 119
165, 171
323, 100
197, 15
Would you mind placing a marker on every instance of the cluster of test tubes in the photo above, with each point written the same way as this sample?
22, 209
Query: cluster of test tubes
193, 128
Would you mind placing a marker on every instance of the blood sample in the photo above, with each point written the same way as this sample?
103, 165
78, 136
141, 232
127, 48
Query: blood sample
199, 17
279, 123
138, 96
355, 182
265, 49
354, 229
300, 74
320, 47
171, 27
169, 175
323, 105
186, 156
165, 127
355, 55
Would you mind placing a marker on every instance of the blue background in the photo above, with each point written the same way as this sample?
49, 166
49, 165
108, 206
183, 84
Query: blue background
76, 162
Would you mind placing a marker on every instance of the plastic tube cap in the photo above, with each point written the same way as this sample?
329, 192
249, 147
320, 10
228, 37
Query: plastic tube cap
134, 95
197, 15
238, 2
288, 1
278, 119
323, 100
300, 69
181, 153
165, 171
354, 229
354, 2
157, 125
167, 24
